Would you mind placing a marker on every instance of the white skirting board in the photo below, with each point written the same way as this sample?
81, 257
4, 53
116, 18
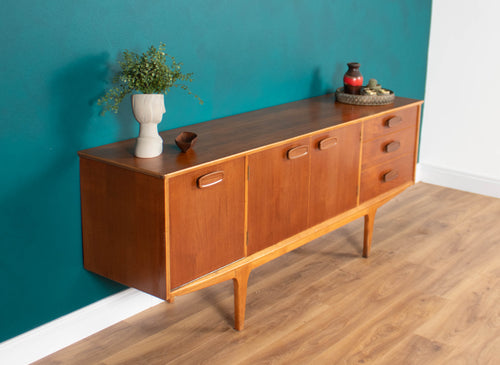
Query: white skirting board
458, 180
73, 327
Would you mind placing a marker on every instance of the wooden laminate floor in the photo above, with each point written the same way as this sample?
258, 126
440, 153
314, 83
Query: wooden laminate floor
428, 294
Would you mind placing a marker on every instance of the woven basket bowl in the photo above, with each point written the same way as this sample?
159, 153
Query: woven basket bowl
364, 99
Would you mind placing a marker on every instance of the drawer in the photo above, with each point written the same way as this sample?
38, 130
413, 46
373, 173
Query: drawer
381, 178
389, 123
389, 147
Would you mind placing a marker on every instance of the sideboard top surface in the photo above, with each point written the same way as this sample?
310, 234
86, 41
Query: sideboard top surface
229, 136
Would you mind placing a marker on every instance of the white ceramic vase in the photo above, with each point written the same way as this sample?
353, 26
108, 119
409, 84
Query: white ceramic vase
148, 111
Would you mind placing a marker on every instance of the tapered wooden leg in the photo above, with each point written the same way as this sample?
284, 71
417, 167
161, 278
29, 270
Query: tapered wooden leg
240, 283
369, 221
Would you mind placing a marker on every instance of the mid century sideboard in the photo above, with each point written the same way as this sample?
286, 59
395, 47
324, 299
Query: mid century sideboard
254, 187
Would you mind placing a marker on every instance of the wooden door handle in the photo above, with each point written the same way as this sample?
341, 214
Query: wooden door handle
393, 122
326, 143
210, 179
389, 176
297, 152
392, 146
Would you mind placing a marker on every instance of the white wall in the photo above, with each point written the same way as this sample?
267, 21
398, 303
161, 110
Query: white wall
460, 142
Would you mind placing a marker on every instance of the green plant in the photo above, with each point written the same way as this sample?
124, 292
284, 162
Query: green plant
147, 73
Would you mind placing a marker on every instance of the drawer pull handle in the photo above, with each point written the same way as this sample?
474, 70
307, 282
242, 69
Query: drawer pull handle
327, 143
393, 122
210, 179
391, 147
391, 175
297, 152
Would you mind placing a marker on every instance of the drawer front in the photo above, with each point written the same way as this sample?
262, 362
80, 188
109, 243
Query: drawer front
389, 147
381, 178
389, 123
206, 220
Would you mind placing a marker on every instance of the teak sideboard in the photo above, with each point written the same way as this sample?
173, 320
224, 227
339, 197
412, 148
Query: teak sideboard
254, 187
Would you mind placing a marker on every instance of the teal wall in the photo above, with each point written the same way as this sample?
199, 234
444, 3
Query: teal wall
245, 55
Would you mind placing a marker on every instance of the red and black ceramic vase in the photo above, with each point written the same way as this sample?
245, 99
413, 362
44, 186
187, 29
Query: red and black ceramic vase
353, 80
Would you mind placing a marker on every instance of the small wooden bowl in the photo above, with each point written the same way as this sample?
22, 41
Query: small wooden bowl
186, 140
